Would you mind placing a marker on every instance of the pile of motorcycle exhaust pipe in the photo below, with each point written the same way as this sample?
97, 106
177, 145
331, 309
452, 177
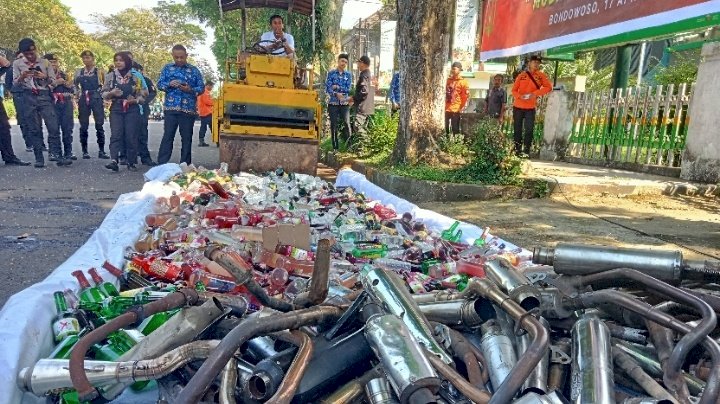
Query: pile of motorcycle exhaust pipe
588, 324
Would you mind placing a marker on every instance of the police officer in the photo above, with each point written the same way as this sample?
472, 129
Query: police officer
6, 149
143, 151
88, 81
16, 92
62, 93
35, 76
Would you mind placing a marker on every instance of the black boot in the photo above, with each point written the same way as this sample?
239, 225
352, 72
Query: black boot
39, 158
113, 165
102, 154
86, 155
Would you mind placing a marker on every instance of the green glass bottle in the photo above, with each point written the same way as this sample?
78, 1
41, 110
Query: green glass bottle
118, 343
106, 287
111, 307
153, 322
114, 306
65, 324
70, 397
87, 292
64, 348
453, 233
425, 265
369, 250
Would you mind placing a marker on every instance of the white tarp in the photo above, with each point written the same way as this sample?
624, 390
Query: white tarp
26, 317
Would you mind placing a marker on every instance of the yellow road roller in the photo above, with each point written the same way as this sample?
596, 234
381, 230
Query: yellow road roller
267, 114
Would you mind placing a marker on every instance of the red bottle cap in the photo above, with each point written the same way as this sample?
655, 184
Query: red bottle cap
95, 276
82, 280
117, 272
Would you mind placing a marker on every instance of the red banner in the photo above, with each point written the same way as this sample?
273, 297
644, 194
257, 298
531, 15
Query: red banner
513, 27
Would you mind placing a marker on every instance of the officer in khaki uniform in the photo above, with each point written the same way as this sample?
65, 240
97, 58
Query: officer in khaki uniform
35, 76
88, 82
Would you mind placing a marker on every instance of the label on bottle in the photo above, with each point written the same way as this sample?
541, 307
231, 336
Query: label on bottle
64, 327
219, 285
299, 254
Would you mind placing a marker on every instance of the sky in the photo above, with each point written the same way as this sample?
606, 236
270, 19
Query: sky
356, 9
83, 9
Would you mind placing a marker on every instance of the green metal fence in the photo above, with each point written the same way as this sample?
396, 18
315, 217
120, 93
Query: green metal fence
646, 125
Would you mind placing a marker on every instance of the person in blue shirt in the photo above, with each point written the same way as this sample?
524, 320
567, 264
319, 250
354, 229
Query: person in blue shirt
395, 92
182, 83
337, 86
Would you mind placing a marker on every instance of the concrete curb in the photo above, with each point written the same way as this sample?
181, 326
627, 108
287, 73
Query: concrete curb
419, 191
433, 191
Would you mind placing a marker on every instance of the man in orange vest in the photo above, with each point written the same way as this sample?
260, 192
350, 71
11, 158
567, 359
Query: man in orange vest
205, 106
457, 93
529, 86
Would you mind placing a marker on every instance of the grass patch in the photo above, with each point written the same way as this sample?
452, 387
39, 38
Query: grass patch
486, 155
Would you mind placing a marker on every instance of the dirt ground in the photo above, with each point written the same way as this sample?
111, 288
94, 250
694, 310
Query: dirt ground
658, 221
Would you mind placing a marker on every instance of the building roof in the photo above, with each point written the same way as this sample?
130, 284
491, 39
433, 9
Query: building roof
304, 7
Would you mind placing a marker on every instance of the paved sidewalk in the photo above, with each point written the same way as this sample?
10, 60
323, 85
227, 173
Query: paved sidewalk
581, 179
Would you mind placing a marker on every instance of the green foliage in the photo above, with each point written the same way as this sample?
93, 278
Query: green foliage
489, 152
150, 33
52, 27
682, 70
228, 29
326, 146
425, 172
584, 65
541, 188
380, 137
493, 160
454, 144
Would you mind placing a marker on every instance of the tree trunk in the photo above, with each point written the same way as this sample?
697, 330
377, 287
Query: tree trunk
423, 45
332, 14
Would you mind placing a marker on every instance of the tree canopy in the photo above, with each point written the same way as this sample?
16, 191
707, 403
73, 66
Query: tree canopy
150, 33
228, 29
54, 30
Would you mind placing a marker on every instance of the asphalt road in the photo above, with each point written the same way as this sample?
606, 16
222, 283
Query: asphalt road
46, 214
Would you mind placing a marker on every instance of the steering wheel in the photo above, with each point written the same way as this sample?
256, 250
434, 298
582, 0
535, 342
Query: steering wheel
259, 47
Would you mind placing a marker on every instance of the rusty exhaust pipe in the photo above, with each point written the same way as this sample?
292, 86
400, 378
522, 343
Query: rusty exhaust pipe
195, 388
318, 290
294, 375
244, 277
692, 337
537, 350
86, 392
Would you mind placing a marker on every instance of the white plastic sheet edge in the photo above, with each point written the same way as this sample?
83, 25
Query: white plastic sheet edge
25, 318
433, 220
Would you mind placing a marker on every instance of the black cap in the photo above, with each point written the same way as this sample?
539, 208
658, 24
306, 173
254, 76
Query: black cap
50, 56
536, 57
26, 44
87, 53
457, 64
343, 56
365, 59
